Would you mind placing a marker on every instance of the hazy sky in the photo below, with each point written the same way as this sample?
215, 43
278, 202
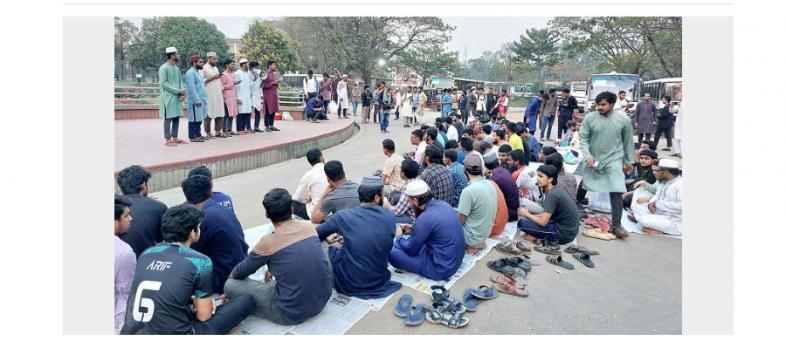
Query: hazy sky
473, 33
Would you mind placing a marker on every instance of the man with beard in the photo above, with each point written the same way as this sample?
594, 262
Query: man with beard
171, 90
215, 100
434, 246
270, 94
244, 94
360, 264
256, 93
196, 100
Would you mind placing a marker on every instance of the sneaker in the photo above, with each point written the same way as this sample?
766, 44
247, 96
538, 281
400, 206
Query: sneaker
268, 130
257, 130
275, 129
196, 140
209, 136
619, 232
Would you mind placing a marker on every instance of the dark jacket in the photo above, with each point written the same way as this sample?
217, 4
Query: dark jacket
665, 118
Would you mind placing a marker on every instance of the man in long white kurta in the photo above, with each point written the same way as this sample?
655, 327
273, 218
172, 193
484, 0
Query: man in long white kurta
665, 207
256, 93
342, 95
215, 100
244, 107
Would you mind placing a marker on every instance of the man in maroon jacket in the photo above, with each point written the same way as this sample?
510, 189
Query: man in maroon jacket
270, 95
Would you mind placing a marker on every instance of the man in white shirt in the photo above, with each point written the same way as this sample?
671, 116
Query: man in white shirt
622, 103
452, 132
311, 185
342, 94
665, 207
420, 144
310, 85
244, 96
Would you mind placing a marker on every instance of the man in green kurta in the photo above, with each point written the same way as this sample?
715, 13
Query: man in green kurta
606, 139
171, 87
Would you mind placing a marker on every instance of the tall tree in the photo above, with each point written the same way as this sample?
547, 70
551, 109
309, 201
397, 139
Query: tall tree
428, 61
263, 41
538, 49
125, 33
648, 46
358, 43
188, 34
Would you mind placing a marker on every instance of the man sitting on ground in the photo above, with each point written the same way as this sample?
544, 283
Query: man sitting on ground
545, 152
665, 208
453, 145
417, 140
503, 154
360, 264
514, 139
642, 171
559, 222
311, 186
437, 176
530, 142
125, 259
565, 180
434, 246
172, 276
504, 180
459, 178
145, 230
391, 172
405, 213
477, 206
218, 197
340, 194
221, 236
303, 281
498, 140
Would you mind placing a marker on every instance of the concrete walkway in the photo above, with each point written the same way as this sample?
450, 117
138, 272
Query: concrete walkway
635, 287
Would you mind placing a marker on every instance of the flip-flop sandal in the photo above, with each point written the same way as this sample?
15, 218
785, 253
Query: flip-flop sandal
470, 302
512, 290
403, 306
549, 250
499, 266
588, 251
441, 298
519, 262
572, 249
584, 258
558, 261
503, 279
508, 248
416, 316
451, 320
484, 293
523, 247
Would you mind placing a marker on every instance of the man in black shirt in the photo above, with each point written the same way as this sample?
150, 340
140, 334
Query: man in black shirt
145, 230
566, 108
642, 170
559, 222
171, 276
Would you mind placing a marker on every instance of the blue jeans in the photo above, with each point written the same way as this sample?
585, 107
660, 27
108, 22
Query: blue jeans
376, 112
355, 107
256, 118
227, 316
194, 130
546, 122
548, 232
384, 122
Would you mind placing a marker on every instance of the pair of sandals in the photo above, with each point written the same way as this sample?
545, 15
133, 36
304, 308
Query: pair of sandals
515, 267
413, 315
513, 248
509, 285
582, 254
446, 310
600, 222
558, 261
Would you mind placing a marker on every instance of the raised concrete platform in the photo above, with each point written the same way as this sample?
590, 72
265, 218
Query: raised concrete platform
150, 111
141, 142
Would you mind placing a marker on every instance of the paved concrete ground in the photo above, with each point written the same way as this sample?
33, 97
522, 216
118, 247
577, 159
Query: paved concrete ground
635, 287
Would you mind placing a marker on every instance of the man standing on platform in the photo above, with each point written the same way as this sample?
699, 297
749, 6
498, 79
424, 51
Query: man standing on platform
270, 93
196, 100
244, 96
310, 85
256, 93
342, 95
172, 92
228, 84
215, 100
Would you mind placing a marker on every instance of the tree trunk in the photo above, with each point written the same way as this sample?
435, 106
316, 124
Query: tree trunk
657, 53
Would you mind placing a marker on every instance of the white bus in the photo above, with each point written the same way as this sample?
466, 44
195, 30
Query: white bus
658, 88
613, 82
579, 90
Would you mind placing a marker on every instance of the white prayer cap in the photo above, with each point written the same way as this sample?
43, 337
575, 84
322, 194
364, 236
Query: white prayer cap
668, 163
417, 188
212, 54
243, 60
344, 75
171, 49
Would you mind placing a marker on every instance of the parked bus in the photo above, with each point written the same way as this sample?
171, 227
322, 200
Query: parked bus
579, 91
613, 82
658, 88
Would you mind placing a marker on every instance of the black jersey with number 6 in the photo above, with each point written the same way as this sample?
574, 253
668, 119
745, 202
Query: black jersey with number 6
166, 277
